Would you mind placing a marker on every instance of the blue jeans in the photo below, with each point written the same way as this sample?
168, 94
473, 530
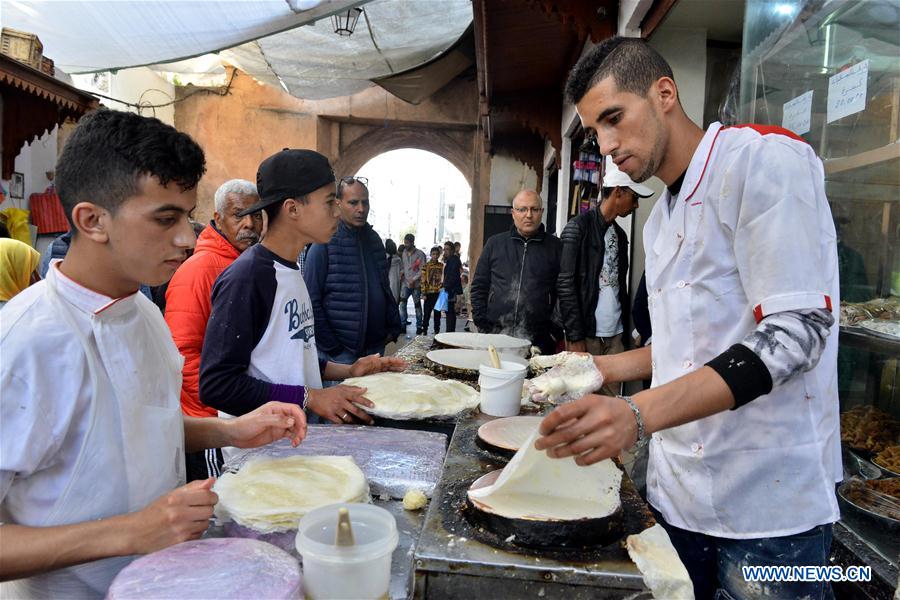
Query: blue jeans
405, 293
714, 563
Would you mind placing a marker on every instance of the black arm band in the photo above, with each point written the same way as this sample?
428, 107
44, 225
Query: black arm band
744, 372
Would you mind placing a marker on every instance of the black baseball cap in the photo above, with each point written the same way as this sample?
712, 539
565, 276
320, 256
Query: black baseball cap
291, 173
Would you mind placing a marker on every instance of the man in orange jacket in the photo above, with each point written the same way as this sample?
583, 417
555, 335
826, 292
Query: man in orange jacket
188, 299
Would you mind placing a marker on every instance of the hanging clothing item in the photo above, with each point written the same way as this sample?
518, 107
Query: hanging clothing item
102, 436
18, 262
715, 267
16, 220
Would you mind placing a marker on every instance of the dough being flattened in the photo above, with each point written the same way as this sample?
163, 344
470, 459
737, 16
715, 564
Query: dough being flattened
272, 494
414, 396
535, 486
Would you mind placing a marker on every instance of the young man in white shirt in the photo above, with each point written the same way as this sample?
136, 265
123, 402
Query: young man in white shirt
92, 437
741, 270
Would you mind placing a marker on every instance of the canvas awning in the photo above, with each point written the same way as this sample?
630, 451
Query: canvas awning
263, 38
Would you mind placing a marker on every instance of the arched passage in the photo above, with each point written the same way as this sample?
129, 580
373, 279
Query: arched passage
351, 142
416, 191
360, 144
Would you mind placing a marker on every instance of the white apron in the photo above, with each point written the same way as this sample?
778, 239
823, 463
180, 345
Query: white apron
133, 451
768, 468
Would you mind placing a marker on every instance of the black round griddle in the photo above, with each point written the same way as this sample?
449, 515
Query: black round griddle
545, 534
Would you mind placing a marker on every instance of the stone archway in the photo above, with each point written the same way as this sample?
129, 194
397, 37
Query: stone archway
350, 143
361, 143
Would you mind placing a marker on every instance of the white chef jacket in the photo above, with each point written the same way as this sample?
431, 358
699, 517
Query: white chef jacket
90, 420
750, 234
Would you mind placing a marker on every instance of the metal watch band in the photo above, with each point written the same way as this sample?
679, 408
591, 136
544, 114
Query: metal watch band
641, 439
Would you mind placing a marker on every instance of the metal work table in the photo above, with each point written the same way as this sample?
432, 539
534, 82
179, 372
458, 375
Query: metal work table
409, 524
452, 559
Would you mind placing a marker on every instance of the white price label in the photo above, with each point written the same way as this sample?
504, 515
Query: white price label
847, 91
796, 113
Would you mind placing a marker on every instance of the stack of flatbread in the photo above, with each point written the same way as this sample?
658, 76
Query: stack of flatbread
272, 494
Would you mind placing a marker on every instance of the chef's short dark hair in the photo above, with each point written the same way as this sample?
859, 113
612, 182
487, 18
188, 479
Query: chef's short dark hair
632, 63
110, 151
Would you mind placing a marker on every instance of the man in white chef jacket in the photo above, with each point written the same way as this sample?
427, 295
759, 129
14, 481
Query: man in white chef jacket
92, 437
742, 417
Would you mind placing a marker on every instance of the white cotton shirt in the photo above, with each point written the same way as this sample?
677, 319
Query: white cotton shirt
608, 312
749, 235
72, 451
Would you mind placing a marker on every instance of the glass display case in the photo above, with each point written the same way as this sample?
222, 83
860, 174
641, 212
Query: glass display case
829, 70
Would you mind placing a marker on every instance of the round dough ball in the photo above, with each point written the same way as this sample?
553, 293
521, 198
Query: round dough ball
414, 500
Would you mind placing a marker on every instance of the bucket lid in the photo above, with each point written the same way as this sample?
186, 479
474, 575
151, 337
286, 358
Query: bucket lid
374, 530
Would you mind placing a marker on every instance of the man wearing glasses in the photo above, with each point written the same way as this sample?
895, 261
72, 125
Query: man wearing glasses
354, 307
514, 288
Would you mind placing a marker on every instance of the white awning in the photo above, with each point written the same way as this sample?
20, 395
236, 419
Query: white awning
309, 62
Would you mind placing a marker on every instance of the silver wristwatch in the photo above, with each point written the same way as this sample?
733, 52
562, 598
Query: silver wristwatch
642, 438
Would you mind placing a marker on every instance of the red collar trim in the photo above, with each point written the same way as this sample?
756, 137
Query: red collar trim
706, 164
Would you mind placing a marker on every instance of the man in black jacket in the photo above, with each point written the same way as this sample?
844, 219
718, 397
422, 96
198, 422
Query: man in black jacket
514, 288
593, 286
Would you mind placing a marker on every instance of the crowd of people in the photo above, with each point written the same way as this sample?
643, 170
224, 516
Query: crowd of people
561, 293
103, 395
436, 284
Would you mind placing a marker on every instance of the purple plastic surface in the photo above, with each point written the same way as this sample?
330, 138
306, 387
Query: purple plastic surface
393, 460
281, 539
223, 568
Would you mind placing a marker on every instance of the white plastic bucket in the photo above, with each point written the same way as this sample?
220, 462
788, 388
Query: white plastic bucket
501, 389
361, 571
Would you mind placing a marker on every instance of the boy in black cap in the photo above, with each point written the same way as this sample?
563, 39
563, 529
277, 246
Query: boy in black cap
260, 341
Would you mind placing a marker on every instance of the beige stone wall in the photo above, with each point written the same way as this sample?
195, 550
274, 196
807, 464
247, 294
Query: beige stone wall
253, 121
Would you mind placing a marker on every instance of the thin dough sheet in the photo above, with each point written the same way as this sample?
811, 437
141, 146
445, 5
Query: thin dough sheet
535, 486
272, 494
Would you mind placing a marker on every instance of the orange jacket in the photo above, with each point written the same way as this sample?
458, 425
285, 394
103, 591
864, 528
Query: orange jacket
187, 310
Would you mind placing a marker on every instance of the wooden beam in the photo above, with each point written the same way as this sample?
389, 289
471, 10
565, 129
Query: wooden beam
479, 13
863, 159
34, 103
596, 19
539, 111
44, 86
655, 16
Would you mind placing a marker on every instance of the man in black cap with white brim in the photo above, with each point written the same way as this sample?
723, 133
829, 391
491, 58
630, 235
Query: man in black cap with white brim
260, 340
593, 270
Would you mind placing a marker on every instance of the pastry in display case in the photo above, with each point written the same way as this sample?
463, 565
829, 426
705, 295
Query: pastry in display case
828, 70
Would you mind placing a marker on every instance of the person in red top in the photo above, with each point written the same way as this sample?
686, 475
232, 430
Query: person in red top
188, 299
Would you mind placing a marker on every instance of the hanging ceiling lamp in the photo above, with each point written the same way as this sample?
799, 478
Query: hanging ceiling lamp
345, 22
